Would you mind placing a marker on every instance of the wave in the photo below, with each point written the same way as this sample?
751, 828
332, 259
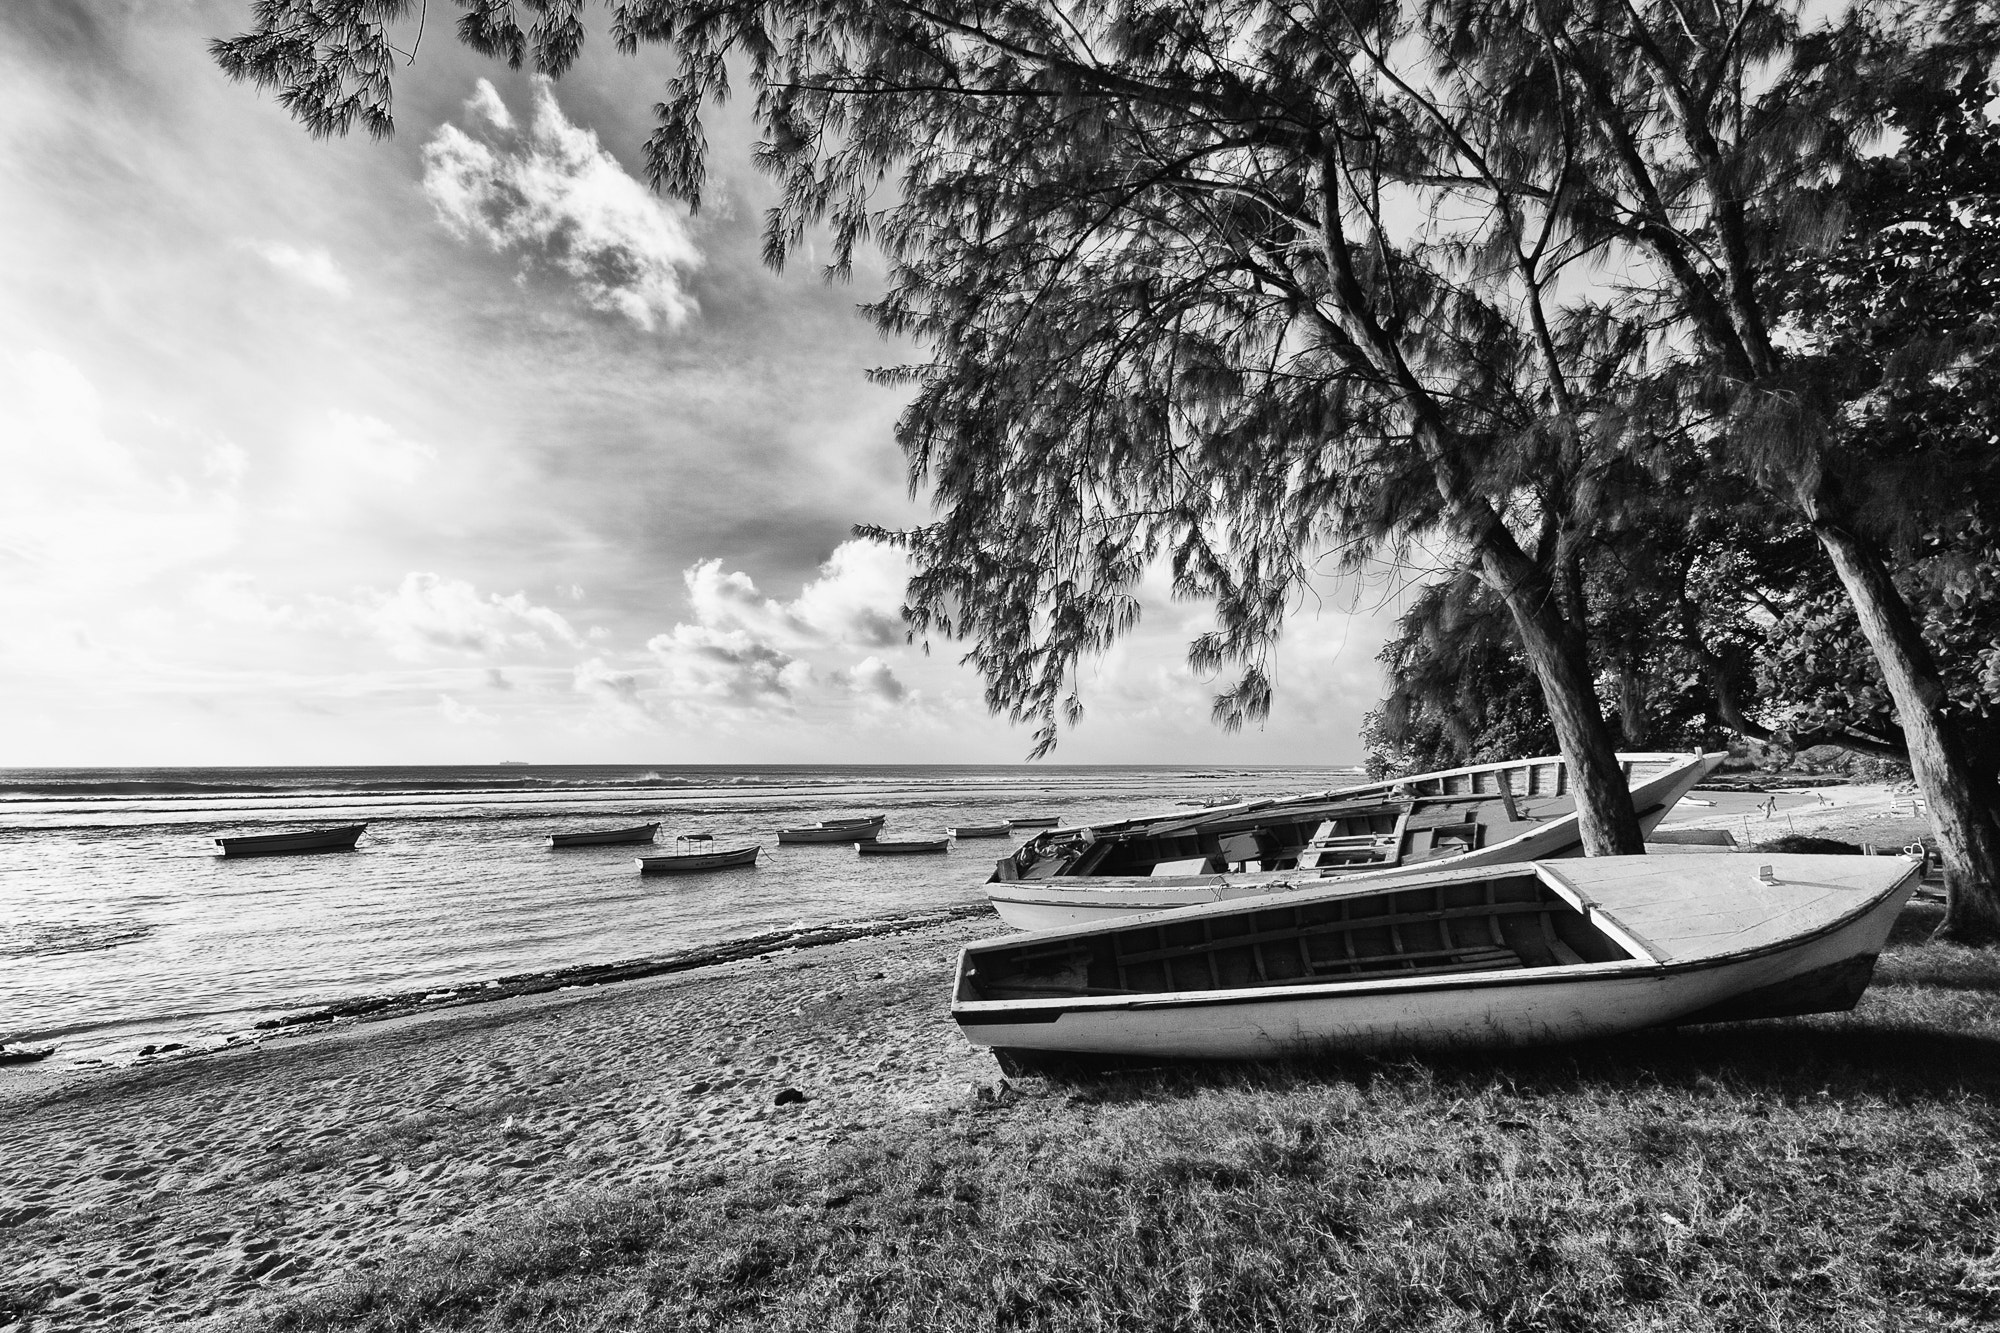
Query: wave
44, 938
92, 787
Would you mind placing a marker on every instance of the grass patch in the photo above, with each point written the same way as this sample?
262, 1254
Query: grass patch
1835, 1172
1805, 844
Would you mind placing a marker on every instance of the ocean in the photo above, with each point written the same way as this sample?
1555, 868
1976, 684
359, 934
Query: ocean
120, 927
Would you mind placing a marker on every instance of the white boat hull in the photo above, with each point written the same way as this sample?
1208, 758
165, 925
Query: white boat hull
1054, 904
1816, 973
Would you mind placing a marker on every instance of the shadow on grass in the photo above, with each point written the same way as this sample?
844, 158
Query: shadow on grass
1781, 1058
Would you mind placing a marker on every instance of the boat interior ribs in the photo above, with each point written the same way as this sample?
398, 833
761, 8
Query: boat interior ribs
1487, 814
1546, 951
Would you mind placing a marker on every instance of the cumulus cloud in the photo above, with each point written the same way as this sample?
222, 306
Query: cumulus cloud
427, 614
744, 650
871, 678
855, 602
551, 193
728, 667
313, 267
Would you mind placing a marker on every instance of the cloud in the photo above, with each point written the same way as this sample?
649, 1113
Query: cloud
427, 614
486, 104
461, 715
855, 602
871, 678
314, 268
728, 667
553, 194
744, 650
82, 510
617, 694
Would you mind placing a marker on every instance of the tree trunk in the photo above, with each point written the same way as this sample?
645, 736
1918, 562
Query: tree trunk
1632, 705
1555, 649
1967, 832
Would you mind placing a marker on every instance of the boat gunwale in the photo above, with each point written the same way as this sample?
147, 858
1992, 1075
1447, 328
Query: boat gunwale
717, 860
1074, 884
568, 838
1075, 888
1387, 785
993, 1010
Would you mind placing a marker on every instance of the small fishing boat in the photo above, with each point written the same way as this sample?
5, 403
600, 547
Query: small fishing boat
836, 830
604, 837
291, 844
685, 858
24, 1055
1693, 841
1486, 814
1033, 821
978, 830
1479, 956
903, 847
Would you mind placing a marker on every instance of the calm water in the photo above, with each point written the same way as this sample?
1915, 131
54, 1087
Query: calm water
119, 925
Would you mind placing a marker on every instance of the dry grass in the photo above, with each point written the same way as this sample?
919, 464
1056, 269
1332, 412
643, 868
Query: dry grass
1838, 1172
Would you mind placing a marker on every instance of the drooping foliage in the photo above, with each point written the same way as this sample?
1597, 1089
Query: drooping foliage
1233, 286
1460, 690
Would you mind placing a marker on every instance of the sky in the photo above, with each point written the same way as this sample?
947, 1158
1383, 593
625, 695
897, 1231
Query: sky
464, 446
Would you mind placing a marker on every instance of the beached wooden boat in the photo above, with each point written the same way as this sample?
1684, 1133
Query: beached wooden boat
605, 837
903, 847
1691, 841
836, 830
685, 857
291, 844
978, 830
1486, 814
1480, 956
1033, 821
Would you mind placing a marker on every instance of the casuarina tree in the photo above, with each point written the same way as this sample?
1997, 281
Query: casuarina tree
1824, 307
1228, 287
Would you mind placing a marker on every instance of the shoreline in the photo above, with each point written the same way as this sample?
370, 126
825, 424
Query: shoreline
159, 1193
28, 1078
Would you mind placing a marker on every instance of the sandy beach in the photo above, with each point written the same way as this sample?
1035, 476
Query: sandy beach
152, 1196
157, 1195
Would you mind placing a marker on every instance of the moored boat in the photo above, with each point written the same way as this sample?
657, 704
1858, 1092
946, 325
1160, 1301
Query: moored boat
978, 830
1486, 814
836, 830
293, 843
902, 847
684, 859
1473, 956
605, 837
1033, 821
